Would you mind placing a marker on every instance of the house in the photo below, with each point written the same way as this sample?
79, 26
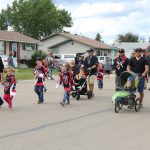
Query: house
129, 46
66, 43
23, 46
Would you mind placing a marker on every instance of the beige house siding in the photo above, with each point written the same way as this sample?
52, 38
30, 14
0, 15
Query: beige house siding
50, 42
25, 54
72, 48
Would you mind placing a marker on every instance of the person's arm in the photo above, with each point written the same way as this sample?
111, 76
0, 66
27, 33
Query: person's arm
146, 71
146, 68
1, 64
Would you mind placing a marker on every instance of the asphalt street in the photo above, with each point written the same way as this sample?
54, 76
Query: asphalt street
83, 125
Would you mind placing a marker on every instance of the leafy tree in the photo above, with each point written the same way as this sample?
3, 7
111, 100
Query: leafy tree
37, 18
32, 61
3, 21
128, 37
98, 38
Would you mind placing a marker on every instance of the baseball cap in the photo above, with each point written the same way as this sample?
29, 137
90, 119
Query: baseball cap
138, 49
90, 50
121, 50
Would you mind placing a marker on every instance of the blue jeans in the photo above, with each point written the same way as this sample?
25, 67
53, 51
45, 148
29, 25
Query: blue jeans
50, 69
100, 83
66, 97
141, 85
39, 91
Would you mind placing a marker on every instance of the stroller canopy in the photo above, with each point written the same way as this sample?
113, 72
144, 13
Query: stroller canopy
125, 75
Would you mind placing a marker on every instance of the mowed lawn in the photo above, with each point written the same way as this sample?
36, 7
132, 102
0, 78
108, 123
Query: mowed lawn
27, 74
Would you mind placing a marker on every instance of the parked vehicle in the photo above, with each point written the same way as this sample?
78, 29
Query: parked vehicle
104, 59
63, 58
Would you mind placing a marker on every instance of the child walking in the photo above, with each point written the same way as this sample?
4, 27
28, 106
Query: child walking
9, 87
39, 73
66, 80
100, 74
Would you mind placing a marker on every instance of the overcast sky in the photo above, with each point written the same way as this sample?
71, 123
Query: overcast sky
108, 17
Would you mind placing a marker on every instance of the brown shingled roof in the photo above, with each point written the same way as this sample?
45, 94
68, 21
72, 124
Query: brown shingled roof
87, 41
82, 39
16, 37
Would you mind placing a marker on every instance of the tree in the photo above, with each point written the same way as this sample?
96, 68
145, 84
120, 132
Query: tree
98, 38
128, 37
3, 21
37, 18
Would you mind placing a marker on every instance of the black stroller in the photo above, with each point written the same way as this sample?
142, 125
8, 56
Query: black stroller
81, 88
125, 95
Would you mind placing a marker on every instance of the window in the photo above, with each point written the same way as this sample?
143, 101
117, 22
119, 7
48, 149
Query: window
1, 47
14, 47
28, 46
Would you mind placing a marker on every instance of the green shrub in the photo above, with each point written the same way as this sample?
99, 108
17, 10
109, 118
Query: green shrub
32, 61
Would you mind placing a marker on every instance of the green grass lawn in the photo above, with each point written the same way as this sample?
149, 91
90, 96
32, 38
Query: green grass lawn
27, 74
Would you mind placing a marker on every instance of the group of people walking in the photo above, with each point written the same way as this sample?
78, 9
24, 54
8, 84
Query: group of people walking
79, 69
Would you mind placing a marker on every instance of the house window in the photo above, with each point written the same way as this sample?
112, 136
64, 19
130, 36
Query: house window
28, 46
1, 47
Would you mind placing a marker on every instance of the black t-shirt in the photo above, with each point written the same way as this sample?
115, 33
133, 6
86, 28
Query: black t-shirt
138, 66
89, 62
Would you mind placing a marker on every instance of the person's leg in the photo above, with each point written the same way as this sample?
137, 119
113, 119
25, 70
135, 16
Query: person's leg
98, 83
36, 89
117, 81
141, 89
41, 94
91, 84
10, 101
51, 72
101, 83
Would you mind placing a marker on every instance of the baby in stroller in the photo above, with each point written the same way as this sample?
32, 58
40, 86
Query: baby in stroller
125, 95
81, 83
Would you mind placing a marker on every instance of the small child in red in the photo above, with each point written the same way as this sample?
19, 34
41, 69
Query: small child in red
9, 87
39, 73
66, 80
100, 74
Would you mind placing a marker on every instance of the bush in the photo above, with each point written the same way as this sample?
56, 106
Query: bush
32, 61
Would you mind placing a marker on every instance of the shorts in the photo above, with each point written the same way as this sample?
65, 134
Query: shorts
91, 79
141, 85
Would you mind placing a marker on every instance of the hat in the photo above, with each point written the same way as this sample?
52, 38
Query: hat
39, 59
121, 50
90, 50
138, 49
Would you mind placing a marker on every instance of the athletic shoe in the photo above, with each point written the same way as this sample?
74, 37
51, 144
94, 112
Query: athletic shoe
62, 103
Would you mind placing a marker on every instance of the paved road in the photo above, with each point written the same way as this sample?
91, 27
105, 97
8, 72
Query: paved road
84, 125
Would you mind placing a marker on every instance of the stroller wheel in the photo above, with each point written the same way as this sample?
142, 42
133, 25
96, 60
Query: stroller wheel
137, 104
73, 95
117, 107
77, 97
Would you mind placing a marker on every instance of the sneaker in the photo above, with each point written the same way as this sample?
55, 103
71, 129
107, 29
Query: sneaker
39, 102
45, 90
62, 103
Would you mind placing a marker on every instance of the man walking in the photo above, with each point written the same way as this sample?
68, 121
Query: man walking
91, 63
139, 65
120, 65
50, 61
